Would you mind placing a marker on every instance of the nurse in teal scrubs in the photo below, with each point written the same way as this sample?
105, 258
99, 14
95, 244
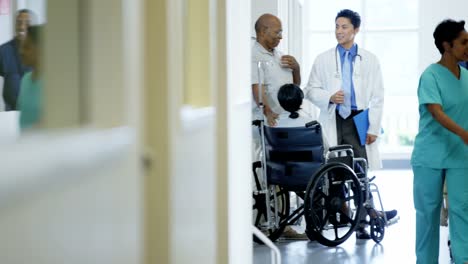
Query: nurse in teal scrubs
441, 146
30, 95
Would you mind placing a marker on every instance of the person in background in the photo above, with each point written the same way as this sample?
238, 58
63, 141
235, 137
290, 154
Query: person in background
11, 68
441, 146
30, 96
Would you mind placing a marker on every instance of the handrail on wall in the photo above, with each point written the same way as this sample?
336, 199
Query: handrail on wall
275, 253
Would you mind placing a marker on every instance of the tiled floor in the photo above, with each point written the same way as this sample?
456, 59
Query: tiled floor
396, 247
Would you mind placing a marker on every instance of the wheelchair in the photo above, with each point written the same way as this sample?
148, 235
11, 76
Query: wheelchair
333, 185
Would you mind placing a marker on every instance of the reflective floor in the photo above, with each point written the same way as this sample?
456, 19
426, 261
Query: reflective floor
396, 247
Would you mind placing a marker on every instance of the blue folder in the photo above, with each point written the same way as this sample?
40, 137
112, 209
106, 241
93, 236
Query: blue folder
361, 121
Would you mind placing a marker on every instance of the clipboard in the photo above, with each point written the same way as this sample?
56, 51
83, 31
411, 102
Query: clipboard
361, 121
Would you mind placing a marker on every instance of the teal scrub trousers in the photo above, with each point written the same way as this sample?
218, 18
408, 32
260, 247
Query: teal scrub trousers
427, 193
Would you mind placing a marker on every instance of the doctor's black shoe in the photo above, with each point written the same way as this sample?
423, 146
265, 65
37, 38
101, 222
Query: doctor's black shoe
391, 214
361, 233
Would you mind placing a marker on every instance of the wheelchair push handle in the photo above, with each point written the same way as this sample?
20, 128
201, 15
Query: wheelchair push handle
257, 123
340, 147
312, 123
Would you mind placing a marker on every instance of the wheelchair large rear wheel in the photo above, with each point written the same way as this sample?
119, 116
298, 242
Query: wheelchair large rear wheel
276, 225
332, 204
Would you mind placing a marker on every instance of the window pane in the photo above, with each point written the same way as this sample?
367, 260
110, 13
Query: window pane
391, 14
315, 43
320, 15
399, 60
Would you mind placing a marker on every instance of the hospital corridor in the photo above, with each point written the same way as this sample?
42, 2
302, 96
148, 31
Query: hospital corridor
130, 130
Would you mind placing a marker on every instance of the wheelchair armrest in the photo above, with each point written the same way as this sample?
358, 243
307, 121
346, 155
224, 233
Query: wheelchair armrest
340, 147
312, 123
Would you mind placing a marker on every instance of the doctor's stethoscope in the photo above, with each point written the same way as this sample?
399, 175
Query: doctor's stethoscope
355, 69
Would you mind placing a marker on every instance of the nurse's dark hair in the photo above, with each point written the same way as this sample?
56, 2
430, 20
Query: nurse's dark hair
354, 17
447, 30
290, 98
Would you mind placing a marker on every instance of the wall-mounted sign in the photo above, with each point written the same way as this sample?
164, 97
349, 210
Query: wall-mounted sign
4, 7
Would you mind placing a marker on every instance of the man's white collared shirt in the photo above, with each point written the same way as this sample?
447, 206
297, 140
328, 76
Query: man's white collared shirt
274, 77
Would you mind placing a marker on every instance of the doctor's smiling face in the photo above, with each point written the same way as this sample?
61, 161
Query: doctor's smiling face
345, 32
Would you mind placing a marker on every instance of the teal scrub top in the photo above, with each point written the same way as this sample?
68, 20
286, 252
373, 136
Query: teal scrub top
435, 146
30, 101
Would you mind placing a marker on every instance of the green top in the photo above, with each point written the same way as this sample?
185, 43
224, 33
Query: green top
30, 101
435, 146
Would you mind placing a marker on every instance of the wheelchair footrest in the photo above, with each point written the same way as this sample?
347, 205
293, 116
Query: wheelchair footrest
393, 221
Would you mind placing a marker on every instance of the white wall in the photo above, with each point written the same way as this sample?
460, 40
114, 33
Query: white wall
432, 13
75, 200
193, 190
6, 33
210, 196
6, 28
239, 133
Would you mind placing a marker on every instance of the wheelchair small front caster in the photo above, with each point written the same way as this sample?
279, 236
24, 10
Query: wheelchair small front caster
377, 228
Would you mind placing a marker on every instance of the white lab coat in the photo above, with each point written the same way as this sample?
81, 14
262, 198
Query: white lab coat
325, 80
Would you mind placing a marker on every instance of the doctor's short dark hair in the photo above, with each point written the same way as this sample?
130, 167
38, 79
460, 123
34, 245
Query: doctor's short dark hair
354, 17
290, 98
447, 30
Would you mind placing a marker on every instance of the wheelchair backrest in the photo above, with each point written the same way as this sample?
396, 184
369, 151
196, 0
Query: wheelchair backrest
302, 144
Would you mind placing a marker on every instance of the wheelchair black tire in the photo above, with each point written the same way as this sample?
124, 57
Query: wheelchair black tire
318, 218
283, 200
377, 228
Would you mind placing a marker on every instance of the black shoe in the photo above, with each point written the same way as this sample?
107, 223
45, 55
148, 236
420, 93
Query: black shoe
361, 233
391, 214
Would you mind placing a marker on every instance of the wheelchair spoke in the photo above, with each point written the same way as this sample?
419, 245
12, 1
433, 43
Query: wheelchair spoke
319, 206
335, 227
320, 194
318, 221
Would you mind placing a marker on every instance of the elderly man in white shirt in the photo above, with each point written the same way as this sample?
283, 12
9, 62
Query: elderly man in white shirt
278, 69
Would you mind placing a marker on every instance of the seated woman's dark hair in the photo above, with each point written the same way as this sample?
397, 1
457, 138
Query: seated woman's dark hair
290, 98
